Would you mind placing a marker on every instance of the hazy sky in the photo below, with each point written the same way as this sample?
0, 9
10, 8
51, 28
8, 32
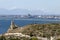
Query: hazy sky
45, 5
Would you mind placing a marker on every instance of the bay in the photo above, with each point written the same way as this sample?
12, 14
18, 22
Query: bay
5, 24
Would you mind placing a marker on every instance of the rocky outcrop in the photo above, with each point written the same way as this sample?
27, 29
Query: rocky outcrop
13, 28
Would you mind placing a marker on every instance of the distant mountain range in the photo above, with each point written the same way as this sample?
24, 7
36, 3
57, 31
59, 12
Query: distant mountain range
19, 11
22, 12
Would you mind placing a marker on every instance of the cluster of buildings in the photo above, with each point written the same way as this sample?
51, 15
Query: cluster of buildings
30, 16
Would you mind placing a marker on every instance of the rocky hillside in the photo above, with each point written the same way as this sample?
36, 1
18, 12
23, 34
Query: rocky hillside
44, 30
39, 30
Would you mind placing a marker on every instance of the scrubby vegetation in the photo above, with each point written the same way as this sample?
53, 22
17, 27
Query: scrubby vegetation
37, 30
16, 38
44, 30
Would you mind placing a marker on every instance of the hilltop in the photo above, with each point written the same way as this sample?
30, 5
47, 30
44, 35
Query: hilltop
43, 30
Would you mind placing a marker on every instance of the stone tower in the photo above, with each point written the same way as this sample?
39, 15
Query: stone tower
12, 26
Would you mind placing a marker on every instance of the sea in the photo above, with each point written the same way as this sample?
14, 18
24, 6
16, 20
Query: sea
5, 23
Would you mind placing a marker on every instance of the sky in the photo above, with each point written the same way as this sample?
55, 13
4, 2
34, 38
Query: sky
44, 5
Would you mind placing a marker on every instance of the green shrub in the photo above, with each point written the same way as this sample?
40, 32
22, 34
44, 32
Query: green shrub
2, 38
58, 39
34, 38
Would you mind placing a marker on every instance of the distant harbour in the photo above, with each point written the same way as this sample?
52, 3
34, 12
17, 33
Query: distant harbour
4, 24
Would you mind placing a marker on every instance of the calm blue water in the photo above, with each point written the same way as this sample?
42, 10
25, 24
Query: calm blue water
5, 24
